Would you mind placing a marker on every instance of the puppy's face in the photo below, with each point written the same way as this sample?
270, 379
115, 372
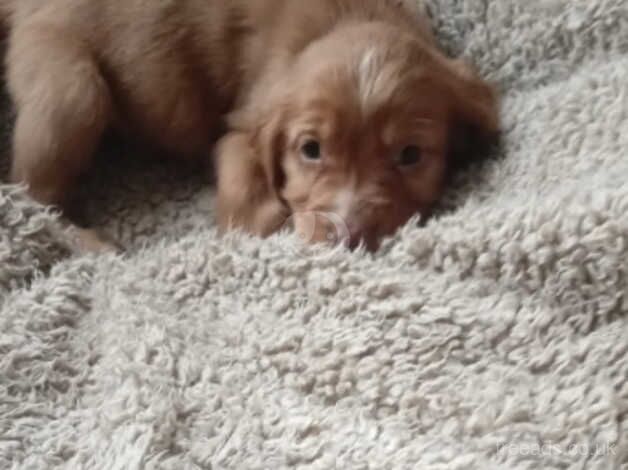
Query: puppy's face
359, 138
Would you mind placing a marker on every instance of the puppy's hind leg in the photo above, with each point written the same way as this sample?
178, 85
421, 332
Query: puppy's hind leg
63, 107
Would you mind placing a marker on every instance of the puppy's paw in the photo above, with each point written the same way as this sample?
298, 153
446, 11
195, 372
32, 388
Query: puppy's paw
84, 241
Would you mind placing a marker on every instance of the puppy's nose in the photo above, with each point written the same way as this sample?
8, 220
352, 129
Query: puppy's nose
354, 237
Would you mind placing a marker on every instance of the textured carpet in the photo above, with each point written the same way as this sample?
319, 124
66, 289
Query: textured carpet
494, 337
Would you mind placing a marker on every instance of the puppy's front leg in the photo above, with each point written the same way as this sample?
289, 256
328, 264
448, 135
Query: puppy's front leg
244, 199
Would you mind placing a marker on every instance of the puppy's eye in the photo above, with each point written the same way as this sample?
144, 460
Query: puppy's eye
311, 150
409, 156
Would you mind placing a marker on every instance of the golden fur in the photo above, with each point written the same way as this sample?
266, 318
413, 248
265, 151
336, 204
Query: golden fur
359, 81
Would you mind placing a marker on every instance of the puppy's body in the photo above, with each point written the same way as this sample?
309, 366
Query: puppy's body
169, 71
163, 70
172, 68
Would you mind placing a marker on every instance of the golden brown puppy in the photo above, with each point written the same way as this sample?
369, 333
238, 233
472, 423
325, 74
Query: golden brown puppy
341, 107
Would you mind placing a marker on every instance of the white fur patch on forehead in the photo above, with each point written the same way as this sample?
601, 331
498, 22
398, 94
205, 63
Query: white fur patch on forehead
368, 63
369, 74
377, 77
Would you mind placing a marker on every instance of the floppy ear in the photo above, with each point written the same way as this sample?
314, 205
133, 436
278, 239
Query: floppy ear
475, 116
268, 140
249, 172
265, 128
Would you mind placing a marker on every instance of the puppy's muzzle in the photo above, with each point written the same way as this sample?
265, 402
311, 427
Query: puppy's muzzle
329, 228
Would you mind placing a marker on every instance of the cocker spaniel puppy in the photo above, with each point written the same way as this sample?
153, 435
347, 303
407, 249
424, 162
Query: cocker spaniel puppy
341, 107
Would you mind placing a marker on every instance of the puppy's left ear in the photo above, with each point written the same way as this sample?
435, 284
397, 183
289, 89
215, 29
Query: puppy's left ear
475, 116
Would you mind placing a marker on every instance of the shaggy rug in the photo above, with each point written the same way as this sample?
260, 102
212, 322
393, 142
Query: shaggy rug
496, 336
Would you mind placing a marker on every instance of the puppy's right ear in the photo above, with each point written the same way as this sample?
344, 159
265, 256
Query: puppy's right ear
269, 141
265, 127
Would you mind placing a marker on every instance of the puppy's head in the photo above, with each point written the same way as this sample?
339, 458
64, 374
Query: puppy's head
364, 128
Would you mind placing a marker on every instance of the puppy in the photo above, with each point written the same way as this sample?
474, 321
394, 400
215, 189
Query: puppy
342, 107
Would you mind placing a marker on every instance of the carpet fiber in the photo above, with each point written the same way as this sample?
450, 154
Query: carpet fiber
496, 336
